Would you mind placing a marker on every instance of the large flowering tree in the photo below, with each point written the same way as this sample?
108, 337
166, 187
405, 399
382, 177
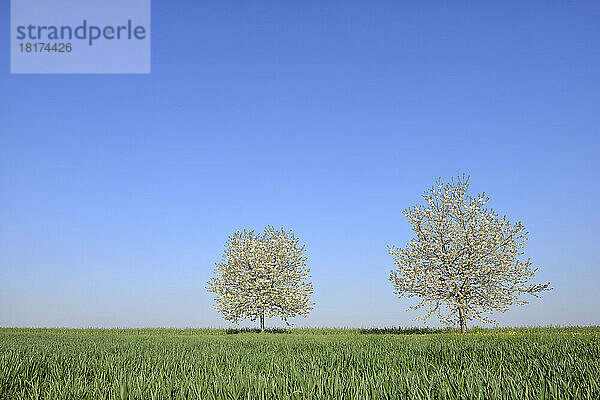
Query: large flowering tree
465, 261
262, 275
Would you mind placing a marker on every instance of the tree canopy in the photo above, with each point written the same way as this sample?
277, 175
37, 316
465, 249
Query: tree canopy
262, 275
465, 260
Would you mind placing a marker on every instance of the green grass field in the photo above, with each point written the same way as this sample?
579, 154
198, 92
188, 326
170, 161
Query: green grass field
535, 363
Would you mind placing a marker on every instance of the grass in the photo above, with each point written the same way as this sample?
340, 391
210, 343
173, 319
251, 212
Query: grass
526, 363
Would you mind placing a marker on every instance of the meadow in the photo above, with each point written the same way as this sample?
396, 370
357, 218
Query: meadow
524, 363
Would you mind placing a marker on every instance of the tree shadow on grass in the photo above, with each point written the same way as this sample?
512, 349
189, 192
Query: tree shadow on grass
235, 331
403, 331
333, 331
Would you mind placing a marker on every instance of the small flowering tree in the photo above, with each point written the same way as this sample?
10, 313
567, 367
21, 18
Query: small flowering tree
262, 275
464, 257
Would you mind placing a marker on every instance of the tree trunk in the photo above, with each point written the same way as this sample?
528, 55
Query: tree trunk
262, 322
462, 319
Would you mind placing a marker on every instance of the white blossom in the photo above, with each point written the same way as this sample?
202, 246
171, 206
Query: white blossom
465, 261
262, 275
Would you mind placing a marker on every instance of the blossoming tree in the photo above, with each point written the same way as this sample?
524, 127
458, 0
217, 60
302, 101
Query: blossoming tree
262, 275
465, 261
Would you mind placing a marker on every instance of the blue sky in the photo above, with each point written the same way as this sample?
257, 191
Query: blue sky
117, 192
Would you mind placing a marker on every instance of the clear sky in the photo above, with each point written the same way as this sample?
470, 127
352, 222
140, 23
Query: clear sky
117, 192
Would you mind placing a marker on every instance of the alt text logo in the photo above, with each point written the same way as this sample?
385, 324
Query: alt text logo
74, 36
85, 31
